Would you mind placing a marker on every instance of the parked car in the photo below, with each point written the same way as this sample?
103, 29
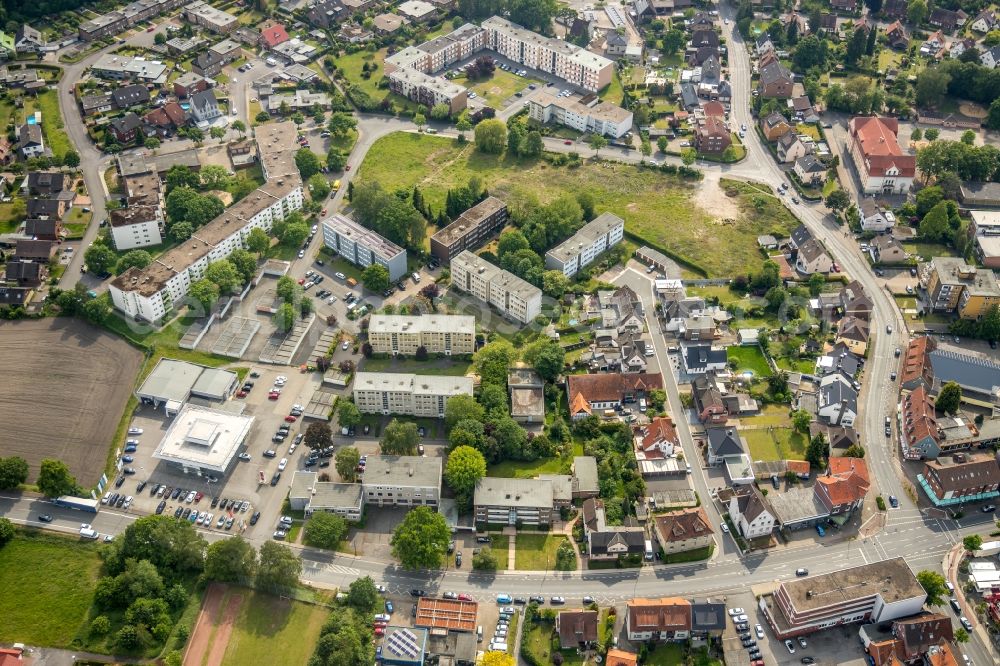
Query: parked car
790, 646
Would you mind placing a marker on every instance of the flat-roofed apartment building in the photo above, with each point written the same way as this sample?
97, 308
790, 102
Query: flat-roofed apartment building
514, 297
588, 114
578, 251
207, 16
362, 246
553, 56
503, 501
471, 229
138, 225
877, 592
955, 286
428, 89
403, 393
437, 334
151, 292
402, 481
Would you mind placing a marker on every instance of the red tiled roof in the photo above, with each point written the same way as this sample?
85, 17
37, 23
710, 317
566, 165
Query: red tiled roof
918, 416
577, 627
683, 525
876, 138
847, 481
618, 657
274, 35
610, 387
666, 614
917, 363
660, 429
714, 109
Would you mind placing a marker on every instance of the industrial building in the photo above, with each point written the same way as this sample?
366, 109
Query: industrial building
172, 384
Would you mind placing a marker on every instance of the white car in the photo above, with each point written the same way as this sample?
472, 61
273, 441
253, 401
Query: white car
331, 300
281, 464
759, 631
725, 528
280, 378
244, 456
346, 345
733, 612
190, 497
135, 431
739, 619
315, 228
790, 646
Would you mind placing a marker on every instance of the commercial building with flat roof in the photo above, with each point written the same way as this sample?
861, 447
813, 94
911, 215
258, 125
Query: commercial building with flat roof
402, 481
310, 495
513, 297
552, 56
516, 502
578, 251
437, 334
471, 230
584, 115
876, 592
203, 441
172, 383
427, 89
362, 246
402, 393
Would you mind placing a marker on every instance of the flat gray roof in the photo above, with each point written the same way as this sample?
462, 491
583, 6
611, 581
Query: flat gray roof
585, 237
203, 437
796, 504
415, 384
348, 228
214, 382
891, 579
585, 471
527, 493
383, 323
329, 495
403, 471
171, 380
302, 483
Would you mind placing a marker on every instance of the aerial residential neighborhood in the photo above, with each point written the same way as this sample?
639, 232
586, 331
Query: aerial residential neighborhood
658, 332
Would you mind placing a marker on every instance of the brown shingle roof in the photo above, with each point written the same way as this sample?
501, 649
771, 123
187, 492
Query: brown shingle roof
666, 614
610, 387
683, 525
577, 627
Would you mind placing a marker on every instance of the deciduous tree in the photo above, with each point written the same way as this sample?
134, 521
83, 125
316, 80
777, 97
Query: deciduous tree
279, 567
55, 479
491, 136
318, 436
325, 530
400, 438
463, 470
421, 539
346, 462
230, 560
13, 472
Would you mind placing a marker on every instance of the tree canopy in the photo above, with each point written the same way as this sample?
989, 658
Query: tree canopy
421, 540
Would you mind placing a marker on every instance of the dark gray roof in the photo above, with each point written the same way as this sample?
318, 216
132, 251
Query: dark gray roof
774, 72
809, 163
700, 356
43, 207
704, 37
836, 392
30, 134
633, 540
689, 95
724, 441
126, 123
708, 616
968, 371
801, 235
130, 96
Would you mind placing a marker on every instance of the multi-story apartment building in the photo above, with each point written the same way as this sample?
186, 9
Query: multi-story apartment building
552, 56
151, 292
963, 477
512, 296
588, 114
517, 502
402, 393
439, 52
437, 334
881, 164
402, 481
954, 286
427, 89
877, 592
471, 229
578, 251
362, 246
210, 18
126, 17
136, 226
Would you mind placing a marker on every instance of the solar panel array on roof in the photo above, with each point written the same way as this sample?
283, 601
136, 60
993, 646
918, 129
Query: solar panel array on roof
403, 642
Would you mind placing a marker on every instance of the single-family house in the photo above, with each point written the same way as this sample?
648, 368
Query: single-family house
946, 19
707, 399
791, 147
854, 332
774, 125
129, 96
699, 359
763, 44
990, 58
803, 110
887, 250
126, 128
723, 442
576, 628
273, 35
985, 21
165, 120
897, 36
874, 216
775, 81
606, 542
751, 513
683, 531
838, 400
30, 143
810, 170
28, 40
708, 619
854, 302
386, 24
812, 258
657, 439
204, 106
666, 619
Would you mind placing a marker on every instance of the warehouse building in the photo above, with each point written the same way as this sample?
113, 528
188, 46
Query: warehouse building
172, 384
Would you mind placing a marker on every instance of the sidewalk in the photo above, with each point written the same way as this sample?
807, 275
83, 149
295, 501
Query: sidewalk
952, 559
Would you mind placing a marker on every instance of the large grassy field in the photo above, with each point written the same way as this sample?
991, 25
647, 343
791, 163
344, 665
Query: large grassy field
266, 622
523, 469
48, 585
498, 87
655, 206
536, 552
446, 367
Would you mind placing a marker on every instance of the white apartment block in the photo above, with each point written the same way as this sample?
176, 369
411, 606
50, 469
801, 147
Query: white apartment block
512, 296
402, 481
428, 90
136, 226
553, 56
439, 52
362, 246
437, 334
578, 251
586, 115
402, 393
207, 16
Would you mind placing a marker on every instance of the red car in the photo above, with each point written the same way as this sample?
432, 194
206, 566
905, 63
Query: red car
198, 496
380, 631
302, 280
465, 597
323, 212
347, 168
290, 419
568, 142
273, 395
241, 394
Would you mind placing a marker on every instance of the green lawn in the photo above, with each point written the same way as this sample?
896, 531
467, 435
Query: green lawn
536, 552
646, 199
8, 222
55, 136
499, 86
522, 469
796, 365
541, 642
749, 358
352, 63
48, 585
696, 555
777, 443
666, 654
928, 250
501, 549
436, 366
613, 92
771, 415
266, 622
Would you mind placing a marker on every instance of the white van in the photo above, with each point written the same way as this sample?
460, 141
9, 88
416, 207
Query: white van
649, 550
88, 533
479, 634
498, 647
416, 277
642, 404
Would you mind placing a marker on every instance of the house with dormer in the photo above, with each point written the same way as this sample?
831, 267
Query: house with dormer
880, 162
657, 439
751, 513
666, 619
607, 542
707, 400
842, 489
683, 531
838, 400
723, 442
